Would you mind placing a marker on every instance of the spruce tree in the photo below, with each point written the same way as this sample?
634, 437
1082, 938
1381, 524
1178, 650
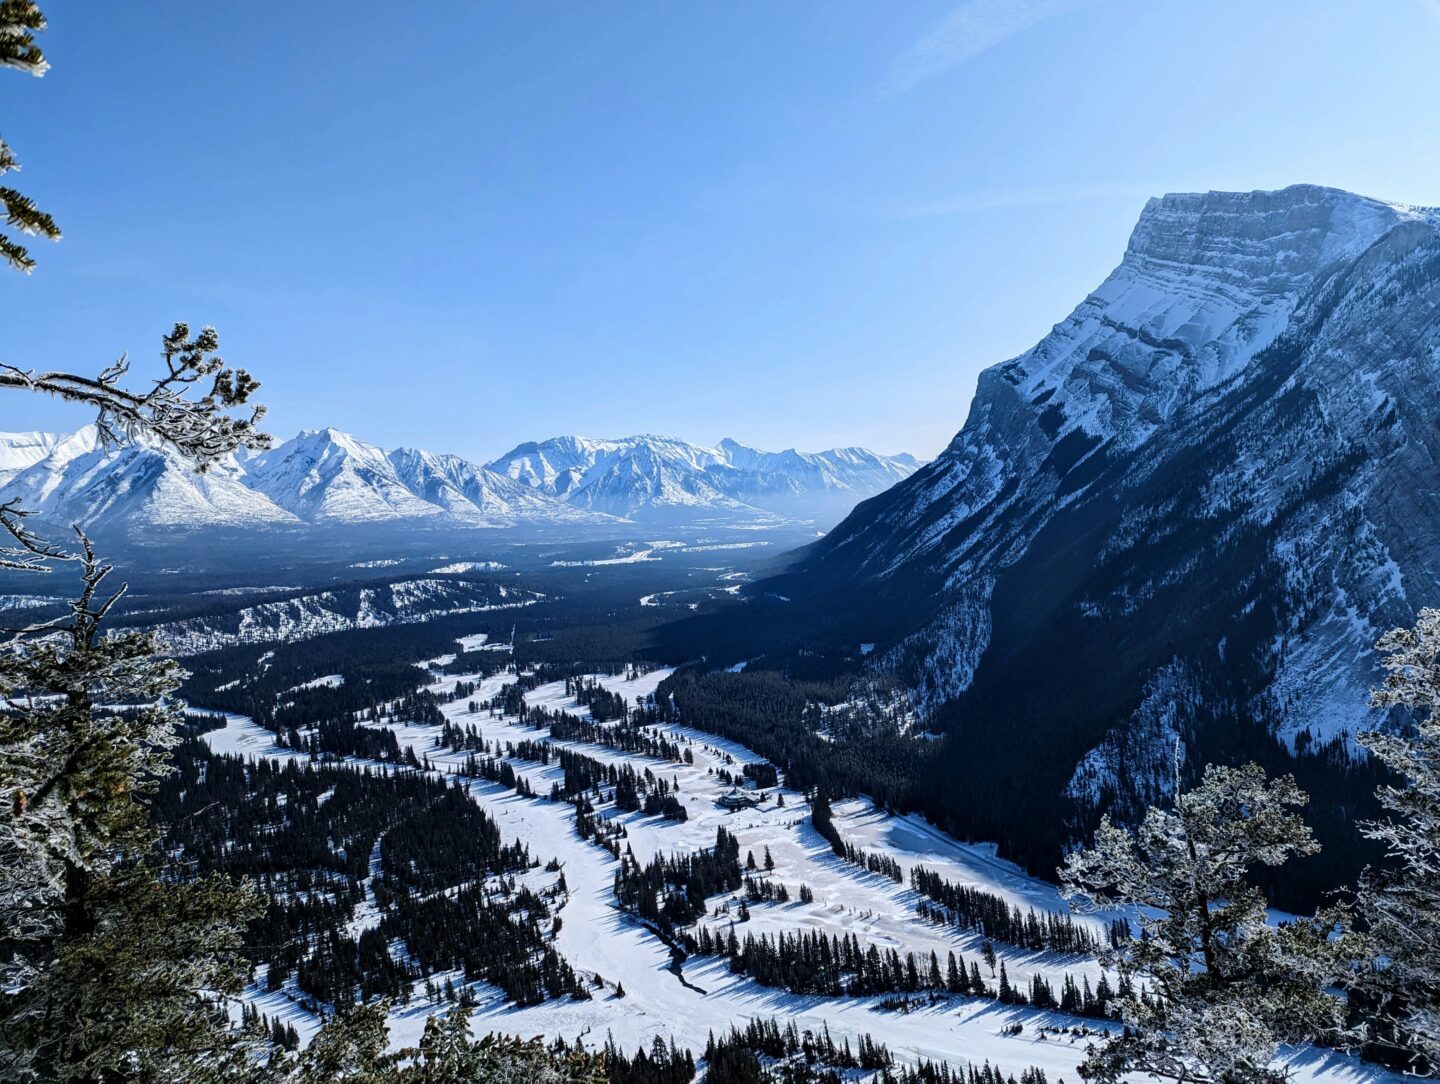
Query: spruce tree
112, 960
1398, 907
1221, 988
20, 21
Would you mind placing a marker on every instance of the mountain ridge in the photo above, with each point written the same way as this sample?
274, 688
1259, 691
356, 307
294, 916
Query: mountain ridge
650, 476
325, 477
1176, 525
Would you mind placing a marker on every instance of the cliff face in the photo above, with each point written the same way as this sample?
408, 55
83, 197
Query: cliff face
1195, 504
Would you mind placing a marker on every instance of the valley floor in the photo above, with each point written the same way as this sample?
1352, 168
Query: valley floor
705, 997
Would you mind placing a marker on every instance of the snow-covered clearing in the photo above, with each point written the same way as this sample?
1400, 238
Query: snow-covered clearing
481, 642
597, 938
329, 681
626, 559
467, 566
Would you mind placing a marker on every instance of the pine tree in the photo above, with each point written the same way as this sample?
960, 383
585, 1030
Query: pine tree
1223, 988
94, 933
111, 958
351, 1048
1399, 907
20, 21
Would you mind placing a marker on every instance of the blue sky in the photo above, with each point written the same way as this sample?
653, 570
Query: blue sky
800, 224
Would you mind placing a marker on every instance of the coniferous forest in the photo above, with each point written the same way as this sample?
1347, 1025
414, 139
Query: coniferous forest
1096, 739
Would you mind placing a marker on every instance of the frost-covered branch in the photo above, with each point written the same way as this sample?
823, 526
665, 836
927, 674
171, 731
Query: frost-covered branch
1222, 988
1397, 941
202, 427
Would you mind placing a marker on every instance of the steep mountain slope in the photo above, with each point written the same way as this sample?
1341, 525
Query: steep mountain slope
1192, 507
327, 476
78, 481
21, 450
657, 478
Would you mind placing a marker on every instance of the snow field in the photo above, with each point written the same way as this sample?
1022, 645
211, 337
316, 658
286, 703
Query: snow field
598, 939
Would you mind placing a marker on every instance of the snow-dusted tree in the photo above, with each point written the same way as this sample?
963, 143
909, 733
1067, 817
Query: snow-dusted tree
20, 21
447, 1053
1218, 987
1398, 908
110, 962
352, 1047
110, 967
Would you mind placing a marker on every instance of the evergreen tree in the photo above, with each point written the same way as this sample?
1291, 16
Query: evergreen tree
1399, 907
447, 1055
351, 1048
93, 931
111, 959
20, 21
1223, 988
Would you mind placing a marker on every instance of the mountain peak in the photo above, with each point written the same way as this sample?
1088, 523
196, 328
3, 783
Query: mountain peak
653, 476
1200, 498
1269, 240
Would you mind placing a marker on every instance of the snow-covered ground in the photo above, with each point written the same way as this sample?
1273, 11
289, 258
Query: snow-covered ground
597, 939
467, 566
635, 558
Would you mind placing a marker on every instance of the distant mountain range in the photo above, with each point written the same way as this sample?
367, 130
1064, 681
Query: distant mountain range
663, 478
325, 477
1176, 526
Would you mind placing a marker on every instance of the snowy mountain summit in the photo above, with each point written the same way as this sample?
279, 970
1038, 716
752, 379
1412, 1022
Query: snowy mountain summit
660, 478
326, 477
1191, 508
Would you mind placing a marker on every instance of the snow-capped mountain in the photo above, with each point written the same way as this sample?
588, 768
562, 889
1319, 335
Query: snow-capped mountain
1191, 508
326, 477
74, 479
321, 477
654, 478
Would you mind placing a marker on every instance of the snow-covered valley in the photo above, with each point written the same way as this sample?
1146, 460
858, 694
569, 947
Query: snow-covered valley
704, 996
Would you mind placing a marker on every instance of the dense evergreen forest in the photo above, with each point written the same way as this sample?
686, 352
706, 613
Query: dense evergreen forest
323, 842
856, 751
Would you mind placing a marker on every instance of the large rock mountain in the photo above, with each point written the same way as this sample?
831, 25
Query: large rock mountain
654, 478
326, 477
1190, 509
73, 478
321, 477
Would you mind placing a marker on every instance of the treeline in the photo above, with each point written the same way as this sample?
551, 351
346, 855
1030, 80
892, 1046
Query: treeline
781, 718
627, 737
604, 705
971, 908
974, 909
822, 818
632, 791
793, 1057
764, 1052
812, 963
